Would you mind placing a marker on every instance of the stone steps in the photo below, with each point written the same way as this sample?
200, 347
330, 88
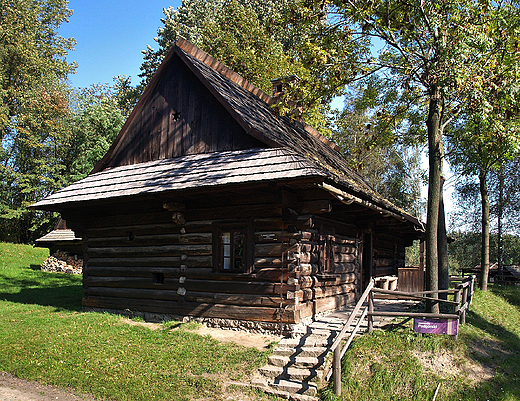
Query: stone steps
313, 352
288, 373
297, 362
298, 366
291, 390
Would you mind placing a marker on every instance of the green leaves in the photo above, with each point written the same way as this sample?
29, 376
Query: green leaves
33, 110
95, 124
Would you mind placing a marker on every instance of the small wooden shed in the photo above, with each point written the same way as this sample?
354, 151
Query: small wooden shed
210, 205
62, 239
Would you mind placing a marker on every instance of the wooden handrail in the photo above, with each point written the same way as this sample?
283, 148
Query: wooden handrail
336, 364
462, 299
413, 295
352, 315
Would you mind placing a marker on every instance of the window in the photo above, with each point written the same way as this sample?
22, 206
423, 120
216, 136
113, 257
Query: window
327, 254
158, 278
231, 248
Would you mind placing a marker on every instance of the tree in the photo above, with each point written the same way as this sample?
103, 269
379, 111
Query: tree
504, 211
97, 119
488, 132
436, 51
465, 249
480, 149
33, 111
389, 164
32, 55
125, 95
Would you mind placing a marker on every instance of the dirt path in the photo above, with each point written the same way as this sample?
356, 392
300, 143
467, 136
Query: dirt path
13, 388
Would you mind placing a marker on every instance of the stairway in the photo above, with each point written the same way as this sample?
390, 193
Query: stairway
297, 367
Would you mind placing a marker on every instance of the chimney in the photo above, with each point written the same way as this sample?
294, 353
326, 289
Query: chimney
280, 83
279, 87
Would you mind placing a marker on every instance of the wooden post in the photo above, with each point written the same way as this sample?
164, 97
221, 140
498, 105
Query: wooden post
472, 288
464, 301
337, 370
370, 309
421, 264
456, 298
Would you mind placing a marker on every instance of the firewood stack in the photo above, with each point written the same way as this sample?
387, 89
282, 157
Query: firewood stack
61, 262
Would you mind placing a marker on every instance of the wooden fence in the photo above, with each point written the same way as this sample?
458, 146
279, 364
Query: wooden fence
461, 295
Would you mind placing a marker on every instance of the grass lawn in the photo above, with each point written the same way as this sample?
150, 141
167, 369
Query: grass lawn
44, 336
482, 364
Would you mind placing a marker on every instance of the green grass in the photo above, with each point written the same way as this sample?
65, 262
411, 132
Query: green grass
483, 363
44, 336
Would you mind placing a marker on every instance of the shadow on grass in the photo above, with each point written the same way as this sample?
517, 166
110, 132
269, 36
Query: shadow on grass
509, 292
61, 291
500, 354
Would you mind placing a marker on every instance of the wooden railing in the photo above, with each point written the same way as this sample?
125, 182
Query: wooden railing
462, 297
336, 346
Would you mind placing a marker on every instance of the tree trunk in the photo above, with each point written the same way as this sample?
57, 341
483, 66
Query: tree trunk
484, 254
500, 212
434, 191
444, 274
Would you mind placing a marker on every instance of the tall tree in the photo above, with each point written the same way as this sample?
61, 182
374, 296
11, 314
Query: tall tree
33, 109
480, 149
32, 55
488, 132
435, 50
501, 185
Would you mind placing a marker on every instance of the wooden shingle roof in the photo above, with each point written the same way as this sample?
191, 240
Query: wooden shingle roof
58, 235
296, 149
61, 233
193, 171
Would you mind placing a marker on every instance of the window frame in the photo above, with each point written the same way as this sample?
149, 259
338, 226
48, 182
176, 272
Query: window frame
327, 254
248, 251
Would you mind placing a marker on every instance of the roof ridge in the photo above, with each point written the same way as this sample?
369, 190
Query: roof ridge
218, 66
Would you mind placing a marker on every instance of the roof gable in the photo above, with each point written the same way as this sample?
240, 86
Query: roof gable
194, 105
177, 115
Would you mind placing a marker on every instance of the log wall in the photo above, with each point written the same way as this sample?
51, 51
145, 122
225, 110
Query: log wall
146, 262
389, 254
161, 267
325, 287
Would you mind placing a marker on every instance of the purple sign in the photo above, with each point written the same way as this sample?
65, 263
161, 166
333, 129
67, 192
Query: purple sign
436, 326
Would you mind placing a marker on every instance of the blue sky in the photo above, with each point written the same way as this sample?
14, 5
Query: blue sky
110, 36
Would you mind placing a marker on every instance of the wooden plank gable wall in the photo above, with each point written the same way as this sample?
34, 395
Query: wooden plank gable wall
181, 117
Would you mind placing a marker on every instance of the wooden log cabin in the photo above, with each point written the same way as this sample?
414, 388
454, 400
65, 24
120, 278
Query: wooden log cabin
209, 205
